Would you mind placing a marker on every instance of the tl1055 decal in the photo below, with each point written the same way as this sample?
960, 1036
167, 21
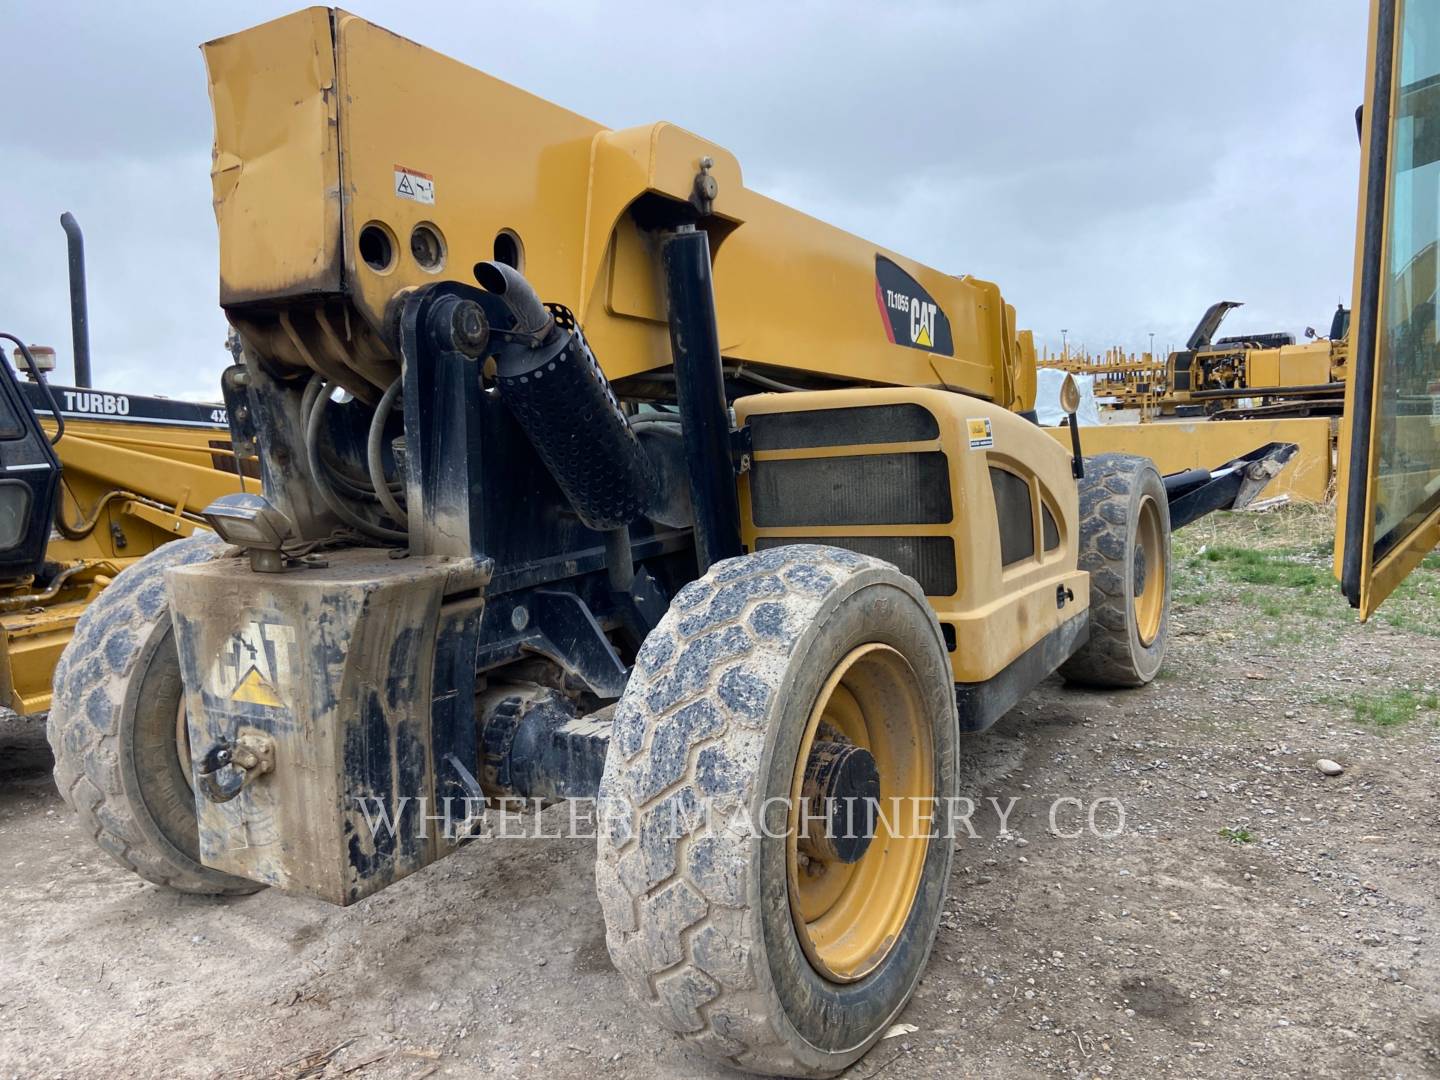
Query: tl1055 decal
912, 317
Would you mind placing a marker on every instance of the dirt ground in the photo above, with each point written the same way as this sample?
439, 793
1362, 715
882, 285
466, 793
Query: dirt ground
1252, 914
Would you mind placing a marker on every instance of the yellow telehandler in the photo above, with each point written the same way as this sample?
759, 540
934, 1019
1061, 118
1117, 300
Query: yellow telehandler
590, 473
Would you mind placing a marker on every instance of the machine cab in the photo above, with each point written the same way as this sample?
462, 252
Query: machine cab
1389, 516
29, 477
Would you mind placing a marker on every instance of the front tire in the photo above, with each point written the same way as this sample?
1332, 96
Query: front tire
116, 726
1125, 547
742, 938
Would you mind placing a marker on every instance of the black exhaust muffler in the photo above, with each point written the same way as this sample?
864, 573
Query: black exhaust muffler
551, 381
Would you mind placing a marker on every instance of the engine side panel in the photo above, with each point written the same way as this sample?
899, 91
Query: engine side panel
974, 502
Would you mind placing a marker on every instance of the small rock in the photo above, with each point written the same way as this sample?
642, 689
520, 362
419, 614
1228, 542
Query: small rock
1021, 842
1328, 767
1389, 1049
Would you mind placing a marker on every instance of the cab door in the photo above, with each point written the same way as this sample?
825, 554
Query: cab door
1389, 517
29, 480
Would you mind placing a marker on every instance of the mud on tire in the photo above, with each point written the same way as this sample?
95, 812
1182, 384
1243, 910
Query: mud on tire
697, 914
1125, 547
112, 728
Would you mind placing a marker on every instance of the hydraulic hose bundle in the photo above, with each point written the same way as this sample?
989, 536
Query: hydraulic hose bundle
352, 497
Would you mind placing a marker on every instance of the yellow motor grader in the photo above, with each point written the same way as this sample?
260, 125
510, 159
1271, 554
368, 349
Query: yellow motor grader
589, 472
93, 481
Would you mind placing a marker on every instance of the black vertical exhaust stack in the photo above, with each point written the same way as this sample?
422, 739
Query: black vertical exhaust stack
79, 308
700, 390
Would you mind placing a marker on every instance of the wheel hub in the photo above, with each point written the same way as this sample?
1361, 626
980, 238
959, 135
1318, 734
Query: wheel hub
841, 792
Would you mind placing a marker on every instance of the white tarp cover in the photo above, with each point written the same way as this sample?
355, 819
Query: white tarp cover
1047, 399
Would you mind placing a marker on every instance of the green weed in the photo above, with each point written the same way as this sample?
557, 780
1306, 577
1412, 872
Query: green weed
1391, 708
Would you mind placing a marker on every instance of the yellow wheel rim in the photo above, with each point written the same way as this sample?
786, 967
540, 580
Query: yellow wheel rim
848, 916
1149, 562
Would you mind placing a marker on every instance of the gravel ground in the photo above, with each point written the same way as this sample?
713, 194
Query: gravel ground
1252, 914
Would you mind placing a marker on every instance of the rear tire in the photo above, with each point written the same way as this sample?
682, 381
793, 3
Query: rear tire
1125, 547
703, 918
114, 728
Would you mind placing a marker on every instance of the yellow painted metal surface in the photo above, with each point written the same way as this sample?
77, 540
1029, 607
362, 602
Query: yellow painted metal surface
327, 125
1178, 445
1263, 368
275, 181
1290, 365
149, 483
1027, 365
175, 471
34, 640
996, 612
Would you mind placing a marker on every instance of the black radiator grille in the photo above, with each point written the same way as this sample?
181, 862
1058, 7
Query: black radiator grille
872, 489
854, 426
930, 560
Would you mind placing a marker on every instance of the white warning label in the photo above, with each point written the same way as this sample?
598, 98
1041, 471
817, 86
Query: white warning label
414, 185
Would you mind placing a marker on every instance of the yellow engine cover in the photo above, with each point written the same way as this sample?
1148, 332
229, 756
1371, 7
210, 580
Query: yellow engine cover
975, 503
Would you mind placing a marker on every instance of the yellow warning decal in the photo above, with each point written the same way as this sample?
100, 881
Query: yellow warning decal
981, 436
255, 690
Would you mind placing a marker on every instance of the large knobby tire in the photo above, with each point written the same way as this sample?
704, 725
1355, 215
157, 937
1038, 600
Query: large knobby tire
113, 728
740, 941
1125, 547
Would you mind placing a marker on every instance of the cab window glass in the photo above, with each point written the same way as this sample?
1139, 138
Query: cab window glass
10, 425
1408, 395
14, 512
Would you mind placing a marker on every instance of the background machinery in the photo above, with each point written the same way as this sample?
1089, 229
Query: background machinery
1257, 375
94, 481
589, 472
1248, 376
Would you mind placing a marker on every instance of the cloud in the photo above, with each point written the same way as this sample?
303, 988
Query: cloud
1114, 166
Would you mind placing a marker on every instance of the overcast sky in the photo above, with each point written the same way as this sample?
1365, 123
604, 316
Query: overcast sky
1115, 166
